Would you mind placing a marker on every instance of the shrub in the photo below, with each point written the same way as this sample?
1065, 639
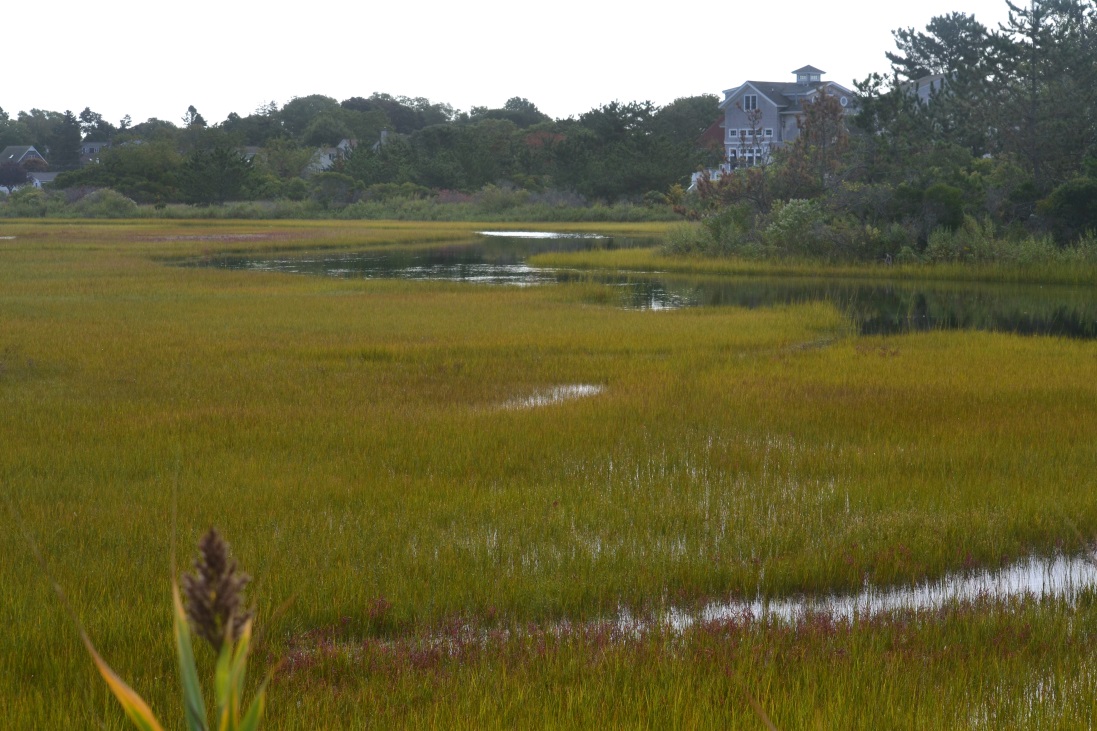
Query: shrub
943, 206
797, 228
27, 202
104, 203
1071, 208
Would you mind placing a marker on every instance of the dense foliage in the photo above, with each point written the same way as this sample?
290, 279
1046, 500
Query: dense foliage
999, 147
338, 153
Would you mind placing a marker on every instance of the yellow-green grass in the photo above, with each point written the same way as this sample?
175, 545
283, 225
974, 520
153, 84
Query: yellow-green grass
350, 439
652, 260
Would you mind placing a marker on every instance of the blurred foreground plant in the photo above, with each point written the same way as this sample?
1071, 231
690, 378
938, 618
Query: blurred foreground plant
214, 597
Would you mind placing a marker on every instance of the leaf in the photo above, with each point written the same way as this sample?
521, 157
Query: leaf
255, 710
239, 671
222, 684
193, 704
258, 705
135, 707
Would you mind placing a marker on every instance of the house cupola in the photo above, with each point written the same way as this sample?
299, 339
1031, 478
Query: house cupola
808, 75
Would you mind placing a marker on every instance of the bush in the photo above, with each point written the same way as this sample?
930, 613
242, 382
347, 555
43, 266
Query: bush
1071, 208
104, 203
493, 199
943, 207
27, 202
686, 238
797, 228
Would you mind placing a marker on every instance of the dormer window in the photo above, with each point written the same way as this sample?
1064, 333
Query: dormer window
808, 75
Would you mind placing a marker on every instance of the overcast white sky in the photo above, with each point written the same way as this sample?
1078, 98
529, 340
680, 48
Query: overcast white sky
154, 59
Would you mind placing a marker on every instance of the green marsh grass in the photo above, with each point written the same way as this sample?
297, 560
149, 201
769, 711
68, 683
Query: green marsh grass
351, 436
652, 259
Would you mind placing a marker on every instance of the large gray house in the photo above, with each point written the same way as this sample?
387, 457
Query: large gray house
762, 115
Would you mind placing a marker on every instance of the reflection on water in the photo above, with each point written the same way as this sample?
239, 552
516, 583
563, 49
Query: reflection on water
554, 395
1062, 578
877, 306
541, 235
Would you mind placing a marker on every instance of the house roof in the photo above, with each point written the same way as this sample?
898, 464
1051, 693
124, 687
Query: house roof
43, 178
787, 96
16, 153
809, 70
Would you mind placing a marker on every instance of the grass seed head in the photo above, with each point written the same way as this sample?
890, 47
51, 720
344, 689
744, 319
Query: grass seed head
215, 593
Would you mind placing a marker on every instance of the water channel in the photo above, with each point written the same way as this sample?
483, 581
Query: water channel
876, 306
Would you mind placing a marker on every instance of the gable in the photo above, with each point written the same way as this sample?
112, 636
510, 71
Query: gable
19, 153
752, 88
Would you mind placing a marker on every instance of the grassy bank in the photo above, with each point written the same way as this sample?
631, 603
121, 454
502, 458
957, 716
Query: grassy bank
354, 442
652, 260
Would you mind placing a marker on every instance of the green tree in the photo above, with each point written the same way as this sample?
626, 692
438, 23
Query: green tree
214, 176
1048, 107
12, 132
820, 147
65, 144
517, 110
94, 127
258, 128
952, 43
12, 175
283, 158
1072, 208
193, 119
332, 190
326, 128
148, 172
300, 111
41, 126
153, 130
390, 162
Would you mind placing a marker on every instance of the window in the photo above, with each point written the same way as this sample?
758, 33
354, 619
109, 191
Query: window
750, 102
769, 132
743, 133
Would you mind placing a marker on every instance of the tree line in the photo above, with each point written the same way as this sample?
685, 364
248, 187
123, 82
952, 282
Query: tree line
617, 151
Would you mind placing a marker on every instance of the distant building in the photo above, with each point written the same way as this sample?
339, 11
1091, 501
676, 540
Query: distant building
325, 158
20, 155
39, 180
927, 87
89, 151
760, 116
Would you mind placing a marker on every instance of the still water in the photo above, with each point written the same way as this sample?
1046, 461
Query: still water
876, 306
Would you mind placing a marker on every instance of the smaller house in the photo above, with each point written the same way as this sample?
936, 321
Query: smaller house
926, 88
40, 180
248, 152
89, 151
21, 155
326, 158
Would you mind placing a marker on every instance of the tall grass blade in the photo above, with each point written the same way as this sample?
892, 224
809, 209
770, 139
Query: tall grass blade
239, 672
135, 707
193, 703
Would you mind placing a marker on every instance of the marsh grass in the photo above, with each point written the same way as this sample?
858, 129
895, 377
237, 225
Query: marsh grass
1082, 271
350, 431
